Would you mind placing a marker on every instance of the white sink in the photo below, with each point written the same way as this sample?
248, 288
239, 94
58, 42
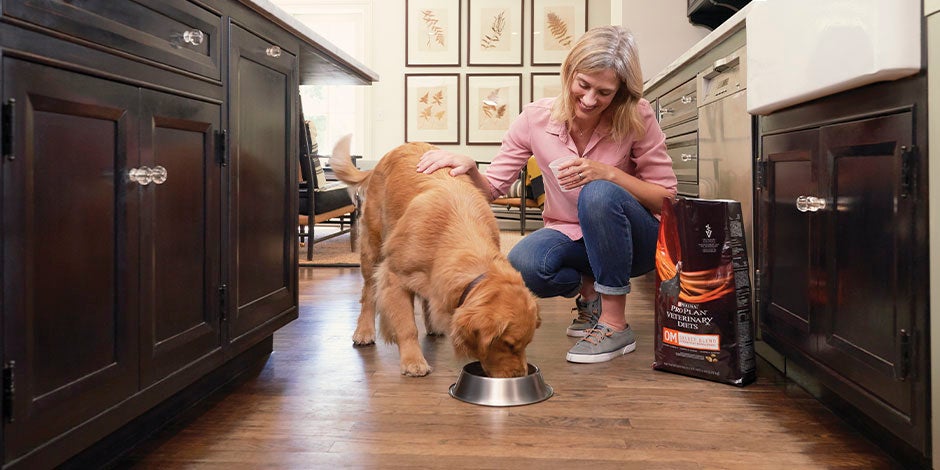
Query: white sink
799, 50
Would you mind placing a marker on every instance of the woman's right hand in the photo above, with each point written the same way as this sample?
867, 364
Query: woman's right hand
433, 160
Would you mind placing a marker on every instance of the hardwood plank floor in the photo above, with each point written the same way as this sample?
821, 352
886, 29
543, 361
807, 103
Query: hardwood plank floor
320, 402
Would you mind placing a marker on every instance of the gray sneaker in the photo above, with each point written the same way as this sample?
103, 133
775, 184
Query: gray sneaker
602, 344
588, 313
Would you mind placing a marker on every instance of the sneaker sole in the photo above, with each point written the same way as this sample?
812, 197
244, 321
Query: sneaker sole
604, 357
576, 333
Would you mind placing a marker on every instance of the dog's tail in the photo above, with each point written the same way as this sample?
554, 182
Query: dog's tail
342, 164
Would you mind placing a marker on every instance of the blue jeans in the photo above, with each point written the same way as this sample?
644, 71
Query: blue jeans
619, 243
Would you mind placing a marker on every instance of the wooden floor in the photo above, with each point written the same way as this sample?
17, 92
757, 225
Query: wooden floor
320, 402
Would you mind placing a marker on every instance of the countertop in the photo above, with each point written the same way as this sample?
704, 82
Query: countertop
722, 32
321, 62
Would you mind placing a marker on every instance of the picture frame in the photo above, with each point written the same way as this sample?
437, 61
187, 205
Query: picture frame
494, 32
556, 26
432, 108
543, 85
432, 32
493, 102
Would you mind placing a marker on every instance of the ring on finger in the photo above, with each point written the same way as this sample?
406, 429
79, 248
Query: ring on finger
580, 176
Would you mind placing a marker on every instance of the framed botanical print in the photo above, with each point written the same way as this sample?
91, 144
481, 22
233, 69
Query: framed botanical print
432, 108
544, 85
556, 26
493, 101
494, 33
432, 32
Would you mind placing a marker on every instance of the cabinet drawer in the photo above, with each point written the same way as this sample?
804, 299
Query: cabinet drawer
177, 33
683, 150
679, 105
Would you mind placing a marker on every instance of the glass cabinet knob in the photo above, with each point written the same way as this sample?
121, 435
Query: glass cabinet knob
142, 176
810, 203
158, 174
273, 51
194, 37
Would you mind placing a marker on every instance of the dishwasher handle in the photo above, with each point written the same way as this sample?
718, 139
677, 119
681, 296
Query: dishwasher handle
722, 65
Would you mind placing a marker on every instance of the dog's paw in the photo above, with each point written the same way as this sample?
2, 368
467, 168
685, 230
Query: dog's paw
363, 339
417, 369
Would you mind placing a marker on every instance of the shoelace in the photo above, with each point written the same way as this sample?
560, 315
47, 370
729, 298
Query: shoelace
596, 335
584, 314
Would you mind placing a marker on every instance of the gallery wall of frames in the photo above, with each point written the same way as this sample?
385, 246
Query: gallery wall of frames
490, 33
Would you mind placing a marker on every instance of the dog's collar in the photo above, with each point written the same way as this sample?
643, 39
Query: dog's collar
466, 290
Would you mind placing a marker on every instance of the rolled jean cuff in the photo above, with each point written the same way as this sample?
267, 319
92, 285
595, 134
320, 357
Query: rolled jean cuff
601, 289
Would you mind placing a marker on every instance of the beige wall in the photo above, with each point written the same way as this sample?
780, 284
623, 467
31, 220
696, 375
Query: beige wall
661, 28
662, 31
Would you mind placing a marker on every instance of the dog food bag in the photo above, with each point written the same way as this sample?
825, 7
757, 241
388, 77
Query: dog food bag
704, 323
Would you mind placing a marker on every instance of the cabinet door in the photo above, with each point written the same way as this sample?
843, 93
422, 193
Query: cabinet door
180, 252
263, 196
70, 248
868, 322
788, 277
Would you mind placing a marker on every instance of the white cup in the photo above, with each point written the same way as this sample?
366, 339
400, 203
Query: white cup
557, 163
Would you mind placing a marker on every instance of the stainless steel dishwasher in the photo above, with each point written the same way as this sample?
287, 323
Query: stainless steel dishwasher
725, 150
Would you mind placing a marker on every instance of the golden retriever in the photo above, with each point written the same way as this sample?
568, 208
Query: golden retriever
435, 237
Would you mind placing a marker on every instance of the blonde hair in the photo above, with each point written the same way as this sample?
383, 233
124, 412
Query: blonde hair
603, 48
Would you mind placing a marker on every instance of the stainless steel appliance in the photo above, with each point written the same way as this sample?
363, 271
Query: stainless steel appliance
678, 118
725, 150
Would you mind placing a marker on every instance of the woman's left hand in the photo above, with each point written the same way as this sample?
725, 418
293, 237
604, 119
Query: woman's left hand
580, 172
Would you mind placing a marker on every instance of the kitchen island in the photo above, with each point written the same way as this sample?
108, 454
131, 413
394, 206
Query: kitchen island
149, 211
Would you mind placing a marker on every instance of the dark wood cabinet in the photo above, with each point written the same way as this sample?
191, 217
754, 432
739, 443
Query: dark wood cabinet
842, 217
179, 33
71, 225
148, 214
119, 278
866, 333
180, 248
263, 84
791, 248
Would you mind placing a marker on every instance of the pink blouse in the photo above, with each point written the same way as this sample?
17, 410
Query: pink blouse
534, 133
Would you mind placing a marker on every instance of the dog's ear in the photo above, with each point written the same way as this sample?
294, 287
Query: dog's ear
473, 329
463, 335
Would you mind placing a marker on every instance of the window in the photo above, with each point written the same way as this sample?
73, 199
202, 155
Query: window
336, 110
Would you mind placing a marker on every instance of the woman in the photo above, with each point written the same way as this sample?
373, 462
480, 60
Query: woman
601, 210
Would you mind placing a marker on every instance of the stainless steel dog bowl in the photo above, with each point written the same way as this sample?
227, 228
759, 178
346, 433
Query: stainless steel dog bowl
473, 386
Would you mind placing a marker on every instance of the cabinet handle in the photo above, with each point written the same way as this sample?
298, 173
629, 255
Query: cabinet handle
902, 366
158, 174
688, 157
273, 51
663, 112
686, 99
146, 175
142, 176
810, 203
194, 37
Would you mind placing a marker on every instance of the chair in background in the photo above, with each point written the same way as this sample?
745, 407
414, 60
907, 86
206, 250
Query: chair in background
525, 198
322, 202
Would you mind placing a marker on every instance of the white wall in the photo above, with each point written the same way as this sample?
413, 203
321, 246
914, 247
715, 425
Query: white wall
662, 31
388, 95
661, 27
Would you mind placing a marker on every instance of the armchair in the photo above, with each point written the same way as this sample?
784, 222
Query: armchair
322, 202
525, 198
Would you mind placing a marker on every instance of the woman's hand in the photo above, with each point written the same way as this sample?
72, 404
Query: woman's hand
580, 171
434, 160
